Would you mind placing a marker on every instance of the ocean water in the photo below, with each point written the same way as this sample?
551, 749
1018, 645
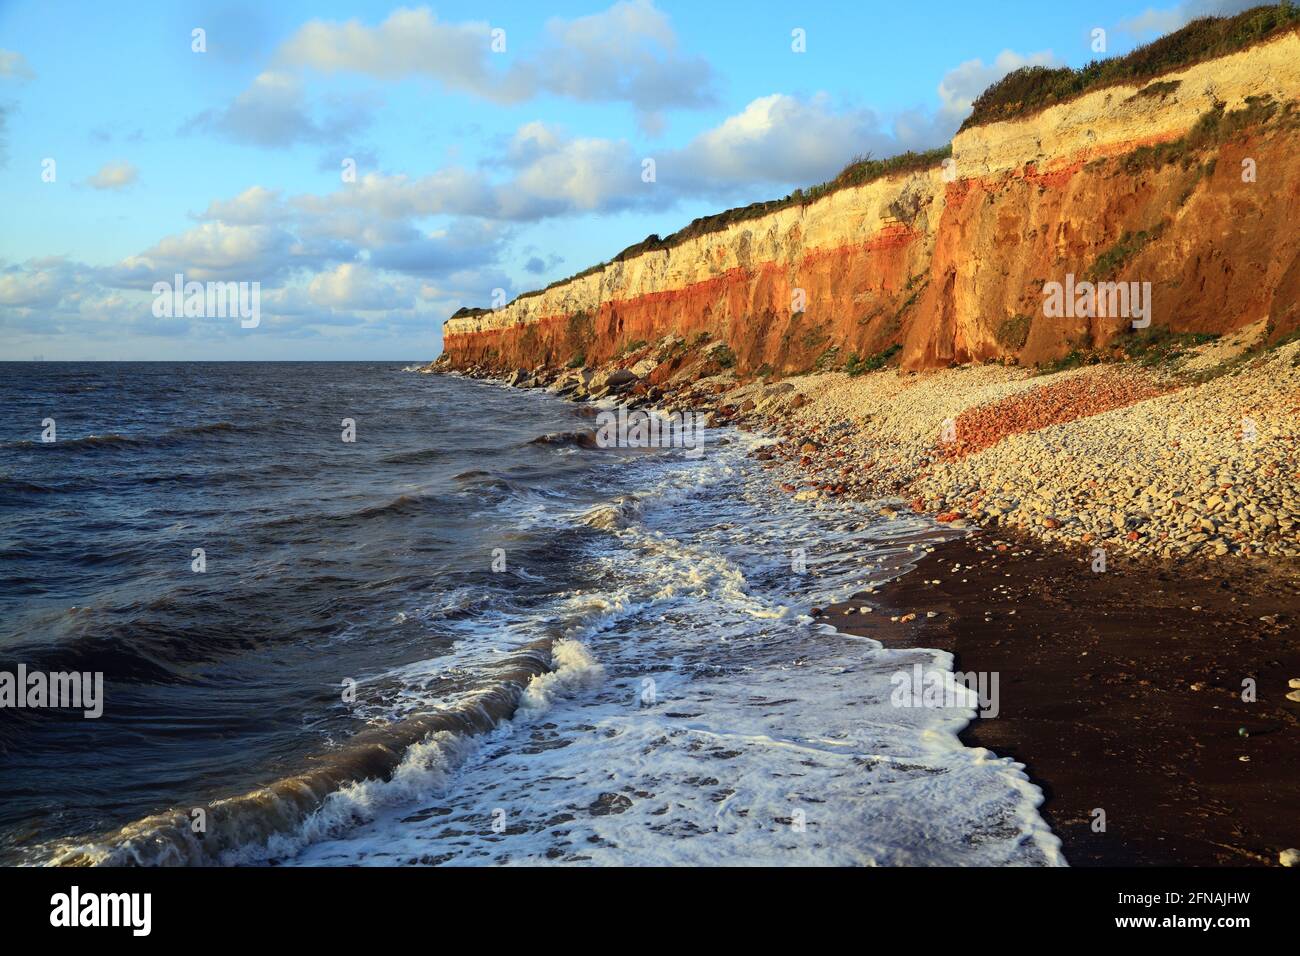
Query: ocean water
466, 637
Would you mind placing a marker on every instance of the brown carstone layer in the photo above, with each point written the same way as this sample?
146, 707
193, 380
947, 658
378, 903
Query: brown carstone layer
1189, 184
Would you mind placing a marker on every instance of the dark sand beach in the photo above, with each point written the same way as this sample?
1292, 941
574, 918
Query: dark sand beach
1122, 691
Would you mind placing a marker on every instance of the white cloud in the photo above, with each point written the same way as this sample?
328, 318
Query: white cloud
256, 204
14, 65
114, 175
626, 53
218, 251
273, 112
558, 176
353, 286
1156, 22
961, 85
408, 43
776, 139
34, 288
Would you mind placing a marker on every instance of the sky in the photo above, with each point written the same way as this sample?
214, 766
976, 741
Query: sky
374, 167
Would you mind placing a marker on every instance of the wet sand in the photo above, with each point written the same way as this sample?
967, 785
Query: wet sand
1122, 691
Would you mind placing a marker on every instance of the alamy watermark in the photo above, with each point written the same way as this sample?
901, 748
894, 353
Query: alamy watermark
940, 689
209, 300
642, 429
70, 690
74, 908
1100, 300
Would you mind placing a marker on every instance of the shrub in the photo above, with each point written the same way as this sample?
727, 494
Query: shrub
1157, 345
1012, 333
856, 366
1034, 88
1119, 255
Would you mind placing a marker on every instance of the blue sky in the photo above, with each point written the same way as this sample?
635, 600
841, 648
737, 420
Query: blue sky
476, 169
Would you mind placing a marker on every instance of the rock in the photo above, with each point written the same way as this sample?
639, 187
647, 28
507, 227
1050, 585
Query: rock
608, 803
1289, 857
620, 378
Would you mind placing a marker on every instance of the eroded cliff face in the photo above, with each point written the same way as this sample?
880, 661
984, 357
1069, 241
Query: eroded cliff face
1129, 183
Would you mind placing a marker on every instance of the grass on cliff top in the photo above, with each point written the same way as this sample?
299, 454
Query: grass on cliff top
1022, 92
1034, 88
859, 172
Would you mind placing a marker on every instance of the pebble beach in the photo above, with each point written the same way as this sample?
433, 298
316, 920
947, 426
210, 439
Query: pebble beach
1117, 456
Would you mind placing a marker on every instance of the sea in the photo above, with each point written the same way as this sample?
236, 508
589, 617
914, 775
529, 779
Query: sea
349, 614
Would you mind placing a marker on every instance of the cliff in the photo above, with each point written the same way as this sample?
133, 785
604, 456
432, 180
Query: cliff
1144, 182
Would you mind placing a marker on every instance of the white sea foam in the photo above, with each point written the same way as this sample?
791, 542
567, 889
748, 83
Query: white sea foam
698, 714
574, 672
427, 768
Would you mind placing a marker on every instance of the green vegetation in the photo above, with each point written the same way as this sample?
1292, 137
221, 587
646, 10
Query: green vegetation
1159, 346
724, 356
1012, 333
670, 350
1034, 88
896, 322
634, 346
856, 366
814, 337
467, 313
828, 359
796, 322
1074, 359
863, 169
578, 360
1150, 347
1022, 92
581, 328
1120, 254
859, 172
1293, 336
1158, 89
1213, 128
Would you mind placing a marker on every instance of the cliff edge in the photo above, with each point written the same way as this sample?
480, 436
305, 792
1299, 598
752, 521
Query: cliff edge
1187, 180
